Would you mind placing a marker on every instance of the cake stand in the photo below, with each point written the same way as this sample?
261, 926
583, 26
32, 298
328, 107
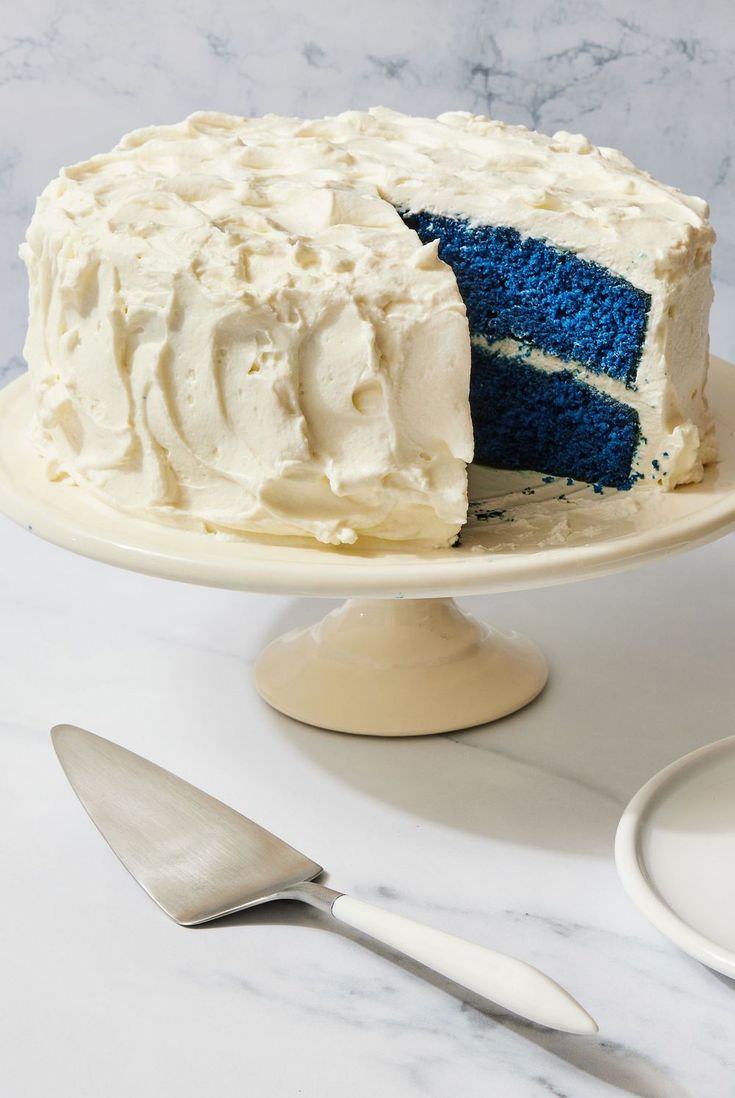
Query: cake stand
399, 657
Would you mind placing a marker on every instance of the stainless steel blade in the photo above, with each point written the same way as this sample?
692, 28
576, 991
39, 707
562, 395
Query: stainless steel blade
196, 857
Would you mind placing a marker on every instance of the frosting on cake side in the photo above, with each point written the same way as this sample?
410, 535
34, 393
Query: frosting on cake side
197, 360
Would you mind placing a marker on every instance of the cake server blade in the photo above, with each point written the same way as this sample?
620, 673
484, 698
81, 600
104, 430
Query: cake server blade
199, 859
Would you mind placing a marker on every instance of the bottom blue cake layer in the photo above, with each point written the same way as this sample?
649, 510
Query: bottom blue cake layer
526, 418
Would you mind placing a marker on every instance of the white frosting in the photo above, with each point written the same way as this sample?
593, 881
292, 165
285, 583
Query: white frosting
198, 360
232, 327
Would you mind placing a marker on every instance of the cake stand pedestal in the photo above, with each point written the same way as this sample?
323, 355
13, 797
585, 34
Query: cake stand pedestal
402, 667
399, 658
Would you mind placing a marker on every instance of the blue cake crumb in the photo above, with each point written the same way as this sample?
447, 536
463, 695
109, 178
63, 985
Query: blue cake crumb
525, 418
495, 513
527, 289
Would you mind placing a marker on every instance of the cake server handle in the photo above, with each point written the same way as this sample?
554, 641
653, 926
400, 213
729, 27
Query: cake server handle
510, 983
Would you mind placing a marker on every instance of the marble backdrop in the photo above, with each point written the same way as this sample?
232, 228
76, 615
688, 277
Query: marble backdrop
654, 79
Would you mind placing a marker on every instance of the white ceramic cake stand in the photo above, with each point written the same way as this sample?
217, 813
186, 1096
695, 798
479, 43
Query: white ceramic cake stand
399, 657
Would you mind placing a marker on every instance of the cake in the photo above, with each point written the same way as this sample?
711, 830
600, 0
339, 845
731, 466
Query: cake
272, 326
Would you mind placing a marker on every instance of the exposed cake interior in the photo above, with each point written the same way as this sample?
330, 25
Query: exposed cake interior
524, 295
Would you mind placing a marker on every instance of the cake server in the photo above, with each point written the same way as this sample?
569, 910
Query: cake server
199, 860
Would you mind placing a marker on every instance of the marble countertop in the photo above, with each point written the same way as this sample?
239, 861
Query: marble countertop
502, 834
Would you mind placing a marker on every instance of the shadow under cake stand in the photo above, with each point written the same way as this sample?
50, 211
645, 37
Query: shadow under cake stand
399, 657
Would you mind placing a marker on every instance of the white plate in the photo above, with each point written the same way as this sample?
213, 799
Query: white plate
675, 853
525, 530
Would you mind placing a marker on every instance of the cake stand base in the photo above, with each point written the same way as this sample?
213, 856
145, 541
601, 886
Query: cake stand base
409, 667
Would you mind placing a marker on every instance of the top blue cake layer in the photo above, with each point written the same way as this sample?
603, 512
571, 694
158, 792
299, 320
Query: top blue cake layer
524, 288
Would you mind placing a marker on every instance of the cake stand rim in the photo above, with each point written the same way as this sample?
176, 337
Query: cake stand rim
170, 552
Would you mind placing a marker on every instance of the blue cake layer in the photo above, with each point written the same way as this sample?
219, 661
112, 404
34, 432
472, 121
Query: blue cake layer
525, 418
529, 290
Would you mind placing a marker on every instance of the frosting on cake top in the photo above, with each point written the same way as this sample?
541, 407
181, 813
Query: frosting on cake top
561, 188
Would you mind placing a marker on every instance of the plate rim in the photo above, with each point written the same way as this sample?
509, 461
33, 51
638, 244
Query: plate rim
631, 865
170, 552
